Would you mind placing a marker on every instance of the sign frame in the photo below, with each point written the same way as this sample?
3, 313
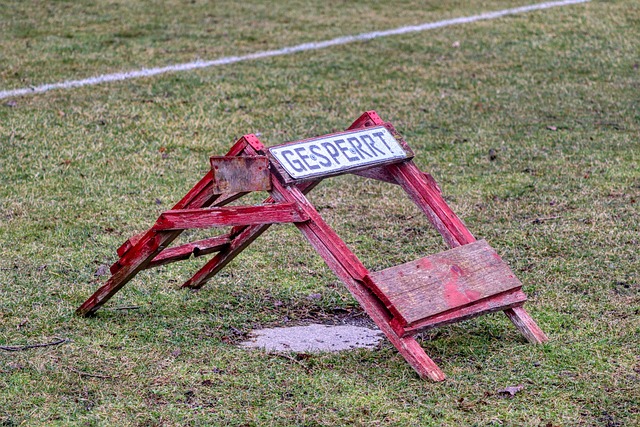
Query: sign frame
394, 150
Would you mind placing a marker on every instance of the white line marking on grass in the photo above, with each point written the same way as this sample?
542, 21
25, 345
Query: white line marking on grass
147, 72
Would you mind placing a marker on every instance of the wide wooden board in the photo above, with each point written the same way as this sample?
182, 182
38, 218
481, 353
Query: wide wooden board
449, 280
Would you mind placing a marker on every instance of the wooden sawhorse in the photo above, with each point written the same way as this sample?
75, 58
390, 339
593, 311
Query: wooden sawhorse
466, 281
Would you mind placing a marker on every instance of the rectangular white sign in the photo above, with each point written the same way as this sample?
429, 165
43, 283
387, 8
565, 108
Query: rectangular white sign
329, 154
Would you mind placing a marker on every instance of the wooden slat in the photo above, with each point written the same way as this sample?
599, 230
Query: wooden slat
246, 236
203, 199
229, 216
134, 260
442, 282
196, 249
499, 302
526, 325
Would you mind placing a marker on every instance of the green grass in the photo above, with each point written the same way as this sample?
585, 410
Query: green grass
554, 93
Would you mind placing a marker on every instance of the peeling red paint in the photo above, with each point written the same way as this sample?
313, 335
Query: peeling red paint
426, 264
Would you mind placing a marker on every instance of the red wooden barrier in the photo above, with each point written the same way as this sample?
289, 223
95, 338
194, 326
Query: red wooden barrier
467, 281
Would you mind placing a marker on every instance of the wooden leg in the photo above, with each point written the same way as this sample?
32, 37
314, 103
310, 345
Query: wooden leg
427, 197
408, 347
135, 260
526, 325
351, 271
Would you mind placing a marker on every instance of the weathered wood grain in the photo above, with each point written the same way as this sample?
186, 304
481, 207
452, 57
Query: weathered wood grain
442, 282
499, 302
229, 216
378, 173
196, 249
526, 325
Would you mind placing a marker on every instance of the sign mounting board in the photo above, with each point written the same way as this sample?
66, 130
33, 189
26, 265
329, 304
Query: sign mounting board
332, 154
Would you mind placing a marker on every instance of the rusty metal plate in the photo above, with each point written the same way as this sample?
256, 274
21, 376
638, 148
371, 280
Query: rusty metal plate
234, 174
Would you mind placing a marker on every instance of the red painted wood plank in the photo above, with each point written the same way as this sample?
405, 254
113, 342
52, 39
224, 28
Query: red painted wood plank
201, 199
442, 282
426, 195
197, 248
367, 119
498, 302
131, 242
229, 216
244, 238
136, 259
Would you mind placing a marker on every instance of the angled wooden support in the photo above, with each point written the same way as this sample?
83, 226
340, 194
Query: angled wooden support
426, 195
526, 325
195, 249
137, 254
352, 272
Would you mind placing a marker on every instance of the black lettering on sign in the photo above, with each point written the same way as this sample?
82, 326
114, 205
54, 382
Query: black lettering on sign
357, 145
371, 144
332, 150
304, 158
345, 150
315, 150
296, 165
337, 153
379, 135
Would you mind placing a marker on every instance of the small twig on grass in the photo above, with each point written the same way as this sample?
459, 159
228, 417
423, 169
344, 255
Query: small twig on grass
543, 219
285, 356
27, 347
126, 307
86, 374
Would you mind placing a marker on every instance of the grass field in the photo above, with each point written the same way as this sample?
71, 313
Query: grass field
554, 95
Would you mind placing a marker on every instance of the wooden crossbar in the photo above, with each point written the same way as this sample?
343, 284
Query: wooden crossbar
229, 216
195, 249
